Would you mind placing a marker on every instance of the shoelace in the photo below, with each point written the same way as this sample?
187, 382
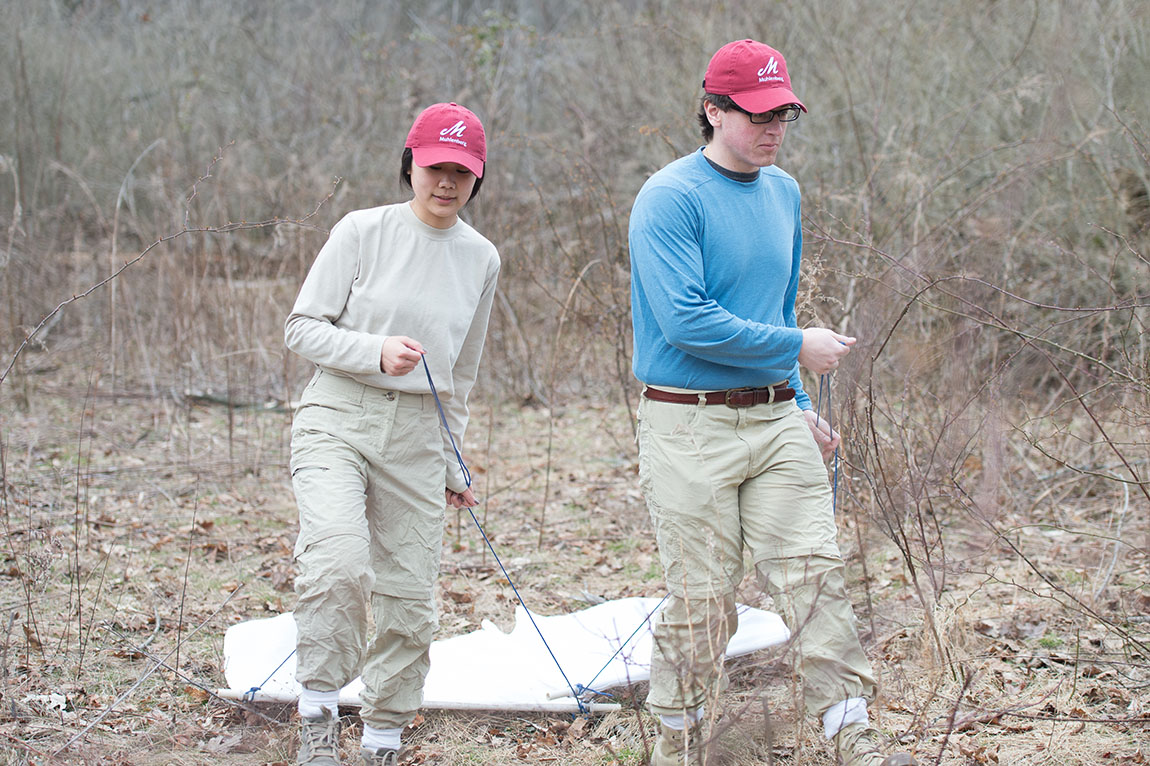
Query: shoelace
321, 738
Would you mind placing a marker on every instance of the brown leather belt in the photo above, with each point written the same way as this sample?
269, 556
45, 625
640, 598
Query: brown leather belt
732, 397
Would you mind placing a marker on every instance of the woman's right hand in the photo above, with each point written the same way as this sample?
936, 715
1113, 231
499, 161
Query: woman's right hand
464, 499
400, 354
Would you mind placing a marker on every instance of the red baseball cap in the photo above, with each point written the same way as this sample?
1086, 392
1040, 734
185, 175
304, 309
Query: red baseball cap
448, 133
752, 74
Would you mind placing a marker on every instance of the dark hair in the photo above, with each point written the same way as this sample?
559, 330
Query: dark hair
725, 104
405, 173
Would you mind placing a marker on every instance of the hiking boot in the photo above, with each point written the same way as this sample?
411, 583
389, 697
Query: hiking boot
319, 741
860, 745
381, 757
676, 748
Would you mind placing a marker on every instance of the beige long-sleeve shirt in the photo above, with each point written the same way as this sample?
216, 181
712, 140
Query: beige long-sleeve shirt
384, 272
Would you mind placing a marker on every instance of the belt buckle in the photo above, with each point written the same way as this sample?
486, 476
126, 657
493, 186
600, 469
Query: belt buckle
727, 397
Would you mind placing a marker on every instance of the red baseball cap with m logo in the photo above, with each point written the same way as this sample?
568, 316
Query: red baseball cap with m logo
448, 133
754, 75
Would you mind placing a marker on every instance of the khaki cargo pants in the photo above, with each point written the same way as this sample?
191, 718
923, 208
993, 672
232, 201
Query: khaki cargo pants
717, 478
368, 472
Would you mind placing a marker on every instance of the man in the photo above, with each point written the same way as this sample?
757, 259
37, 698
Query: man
729, 447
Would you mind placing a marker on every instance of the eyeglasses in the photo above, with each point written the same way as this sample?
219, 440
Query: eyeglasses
788, 113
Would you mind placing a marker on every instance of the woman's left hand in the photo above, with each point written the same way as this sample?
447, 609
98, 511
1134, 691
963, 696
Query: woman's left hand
464, 499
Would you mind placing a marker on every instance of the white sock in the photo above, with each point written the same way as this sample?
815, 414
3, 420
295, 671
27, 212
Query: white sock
678, 722
373, 738
843, 714
312, 703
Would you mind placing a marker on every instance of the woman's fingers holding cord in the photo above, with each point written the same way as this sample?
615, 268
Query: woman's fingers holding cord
464, 499
400, 355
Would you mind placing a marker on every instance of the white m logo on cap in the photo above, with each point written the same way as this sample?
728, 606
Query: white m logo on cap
455, 130
772, 67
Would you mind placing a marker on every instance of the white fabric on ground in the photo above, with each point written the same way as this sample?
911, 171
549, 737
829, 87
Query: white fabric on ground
490, 669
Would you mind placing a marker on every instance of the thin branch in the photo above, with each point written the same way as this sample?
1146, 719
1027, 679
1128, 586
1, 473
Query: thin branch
156, 665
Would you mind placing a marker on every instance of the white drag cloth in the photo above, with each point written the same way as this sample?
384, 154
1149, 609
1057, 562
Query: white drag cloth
492, 670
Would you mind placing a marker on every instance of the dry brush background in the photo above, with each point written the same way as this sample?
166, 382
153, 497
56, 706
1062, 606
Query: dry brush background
976, 211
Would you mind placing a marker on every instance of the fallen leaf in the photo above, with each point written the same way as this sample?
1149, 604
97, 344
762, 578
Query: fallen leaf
578, 729
458, 597
221, 745
196, 693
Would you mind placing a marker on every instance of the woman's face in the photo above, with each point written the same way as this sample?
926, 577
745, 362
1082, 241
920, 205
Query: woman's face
440, 192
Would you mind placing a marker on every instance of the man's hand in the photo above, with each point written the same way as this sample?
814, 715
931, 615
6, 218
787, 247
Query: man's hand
822, 349
400, 354
464, 499
825, 437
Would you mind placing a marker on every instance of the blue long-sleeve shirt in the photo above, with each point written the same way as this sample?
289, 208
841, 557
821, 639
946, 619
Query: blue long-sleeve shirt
714, 274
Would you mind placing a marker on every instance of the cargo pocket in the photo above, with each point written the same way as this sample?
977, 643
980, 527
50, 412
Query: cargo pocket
330, 487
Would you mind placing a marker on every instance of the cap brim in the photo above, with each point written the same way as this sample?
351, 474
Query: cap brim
435, 155
766, 100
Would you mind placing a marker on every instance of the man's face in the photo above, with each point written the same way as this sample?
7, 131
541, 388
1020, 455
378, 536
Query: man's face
741, 145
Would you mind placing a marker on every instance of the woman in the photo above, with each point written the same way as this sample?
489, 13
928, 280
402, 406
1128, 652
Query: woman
393, 287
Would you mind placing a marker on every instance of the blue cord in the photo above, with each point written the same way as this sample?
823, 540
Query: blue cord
528, 611
447, 428
467, 479
825, 379
250, 694
645, 621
